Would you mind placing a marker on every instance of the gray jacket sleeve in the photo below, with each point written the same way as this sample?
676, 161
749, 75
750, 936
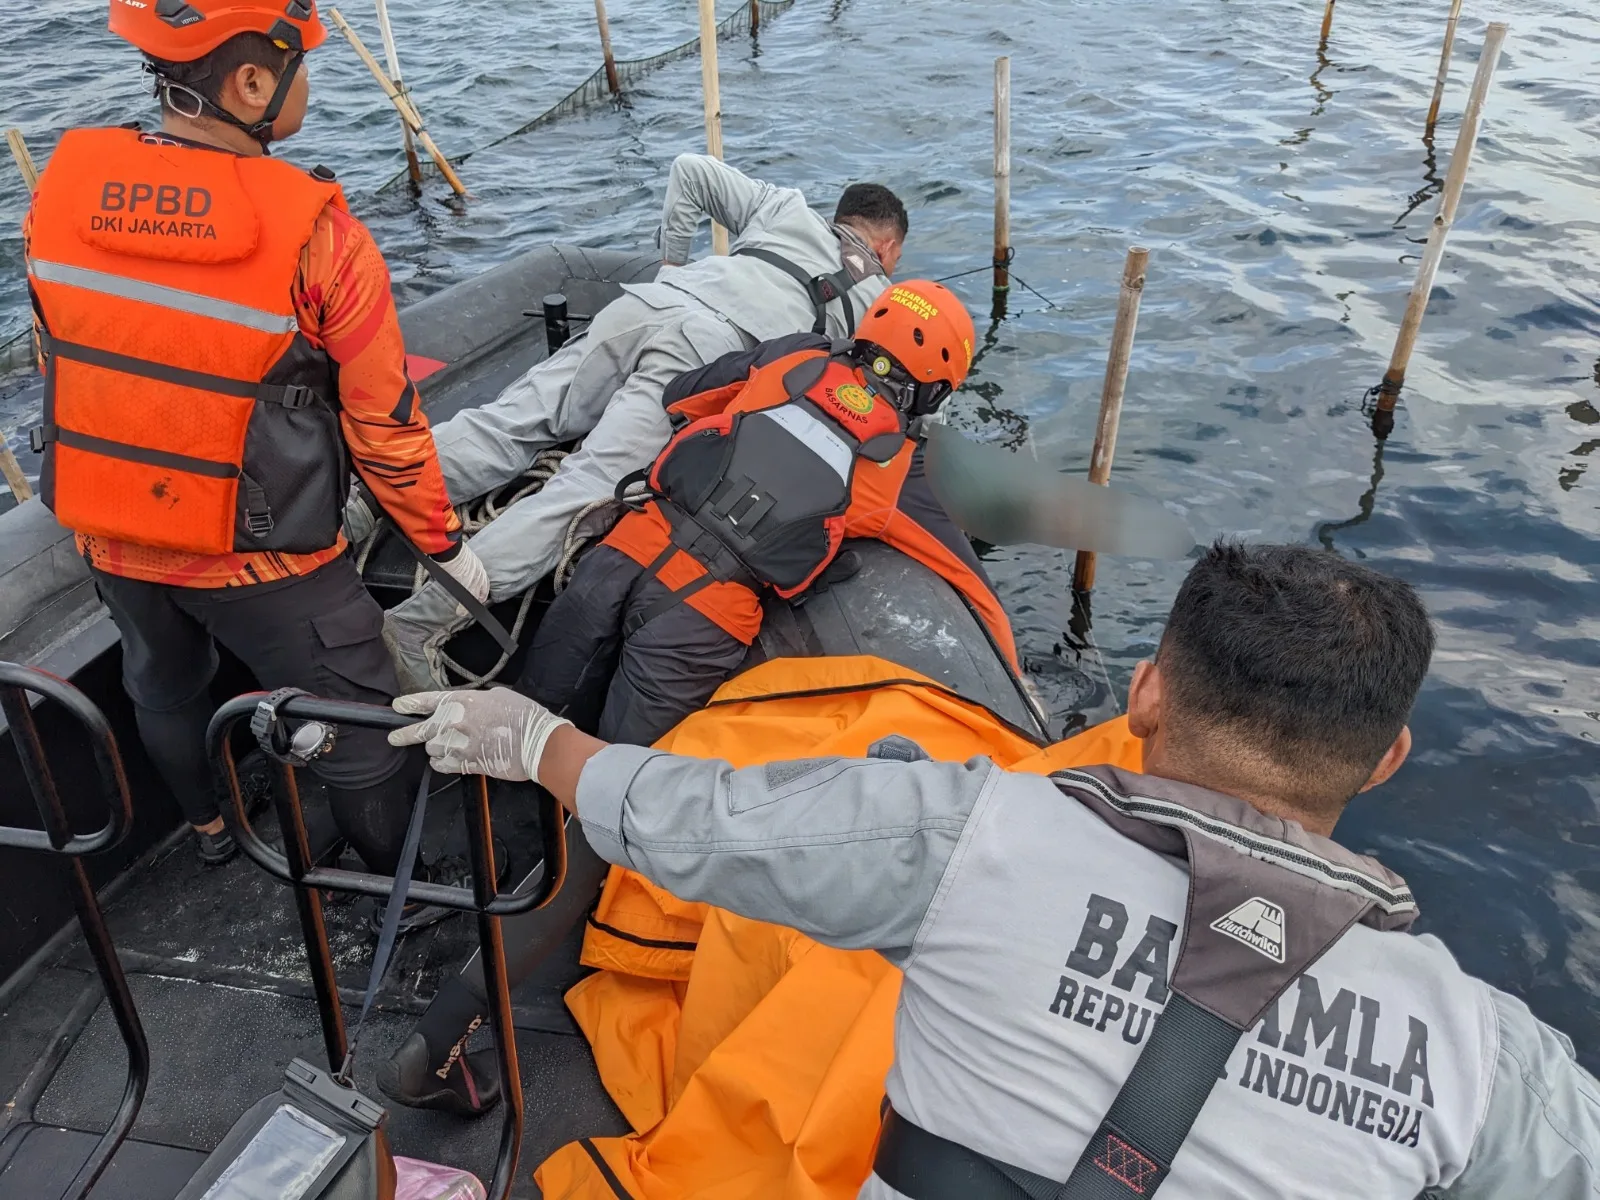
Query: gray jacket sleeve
699, 185
1541, 1133
849, 851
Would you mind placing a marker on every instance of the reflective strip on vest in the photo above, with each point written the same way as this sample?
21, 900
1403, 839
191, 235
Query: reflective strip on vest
194, 303
814, 435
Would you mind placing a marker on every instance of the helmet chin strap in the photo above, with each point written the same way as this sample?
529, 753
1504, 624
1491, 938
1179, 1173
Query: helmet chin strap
260, 130
904, 392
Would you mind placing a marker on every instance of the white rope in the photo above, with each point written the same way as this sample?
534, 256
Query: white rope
477, 514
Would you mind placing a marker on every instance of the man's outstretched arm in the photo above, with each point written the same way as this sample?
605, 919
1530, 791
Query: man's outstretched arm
850, 851
702, 186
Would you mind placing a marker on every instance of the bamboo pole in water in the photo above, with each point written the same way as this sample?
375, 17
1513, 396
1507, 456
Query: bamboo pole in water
612, 81
24, 160
10, 468
413, 167
1327, 22
1002, 186
755, 17
1444, 66
713, 96
1111, 393
1460, 160
401, 101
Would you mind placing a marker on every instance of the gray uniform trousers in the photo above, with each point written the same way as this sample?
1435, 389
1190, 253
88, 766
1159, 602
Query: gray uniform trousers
605, 387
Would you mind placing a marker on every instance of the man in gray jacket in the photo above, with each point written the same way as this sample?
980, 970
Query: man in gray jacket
790, 269
1127, 982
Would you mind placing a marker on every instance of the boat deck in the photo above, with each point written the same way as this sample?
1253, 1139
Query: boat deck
217, 970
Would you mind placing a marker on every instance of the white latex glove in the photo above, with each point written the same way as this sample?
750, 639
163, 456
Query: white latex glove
469, 571
496, 732
359, 519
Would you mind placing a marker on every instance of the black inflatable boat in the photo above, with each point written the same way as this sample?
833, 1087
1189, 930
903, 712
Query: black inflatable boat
215, 960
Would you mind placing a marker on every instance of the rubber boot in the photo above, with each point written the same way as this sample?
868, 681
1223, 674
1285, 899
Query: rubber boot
466, 1084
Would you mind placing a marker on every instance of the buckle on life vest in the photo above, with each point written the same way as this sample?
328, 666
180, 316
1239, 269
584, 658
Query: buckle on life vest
741, 504
257, 512
41, 436
291, 395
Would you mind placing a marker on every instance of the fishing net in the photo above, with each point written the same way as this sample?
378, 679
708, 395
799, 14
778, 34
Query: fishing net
594, 89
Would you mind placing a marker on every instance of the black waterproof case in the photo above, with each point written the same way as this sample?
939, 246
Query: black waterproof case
314, 1139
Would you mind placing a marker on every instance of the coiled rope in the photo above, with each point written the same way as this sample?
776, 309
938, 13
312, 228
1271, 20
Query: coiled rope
475, 515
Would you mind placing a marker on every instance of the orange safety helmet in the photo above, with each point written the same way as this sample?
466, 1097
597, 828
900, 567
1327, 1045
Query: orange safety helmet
184, 30
924, 331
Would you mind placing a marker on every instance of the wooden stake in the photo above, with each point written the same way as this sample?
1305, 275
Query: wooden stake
713, 97
1460, 160
755, 17
24, 160
1105, 433
1444, 66
413, 167
1002, 185
10, 468
402, 103
612, 82
1327, 22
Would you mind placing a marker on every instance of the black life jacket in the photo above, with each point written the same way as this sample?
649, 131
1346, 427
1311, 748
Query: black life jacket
759, 491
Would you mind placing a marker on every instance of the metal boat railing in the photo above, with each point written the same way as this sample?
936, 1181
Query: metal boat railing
294, 867
56, 837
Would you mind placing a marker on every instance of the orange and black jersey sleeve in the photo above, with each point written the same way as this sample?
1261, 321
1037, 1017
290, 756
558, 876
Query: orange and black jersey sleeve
345, 306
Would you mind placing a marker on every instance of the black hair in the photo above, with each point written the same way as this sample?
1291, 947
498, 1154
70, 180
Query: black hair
873, 204
1296, 655
205, 76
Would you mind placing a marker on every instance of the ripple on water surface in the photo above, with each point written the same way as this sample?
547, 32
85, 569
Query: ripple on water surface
1284, 195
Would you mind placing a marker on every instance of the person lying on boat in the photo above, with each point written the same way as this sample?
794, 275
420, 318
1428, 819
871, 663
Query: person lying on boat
782, 452
221, 341
790, 270
1126, 980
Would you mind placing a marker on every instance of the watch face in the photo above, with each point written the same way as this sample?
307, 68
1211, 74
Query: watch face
310, 740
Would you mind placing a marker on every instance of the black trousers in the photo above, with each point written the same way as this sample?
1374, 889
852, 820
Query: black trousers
321, 632
625, 689
622, 689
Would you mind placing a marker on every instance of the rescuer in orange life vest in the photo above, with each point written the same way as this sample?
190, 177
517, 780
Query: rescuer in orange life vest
780, 453
220, 345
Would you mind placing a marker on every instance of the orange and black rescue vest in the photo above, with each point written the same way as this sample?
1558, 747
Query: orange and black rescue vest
763, 481
762, 488
183, 408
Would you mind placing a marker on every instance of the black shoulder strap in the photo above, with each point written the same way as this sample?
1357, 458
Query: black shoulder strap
820, 288
1132, 1151
476, 609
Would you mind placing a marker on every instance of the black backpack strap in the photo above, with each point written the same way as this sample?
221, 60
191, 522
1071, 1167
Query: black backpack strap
671, 600
476, 609
1132, 1151
820, 288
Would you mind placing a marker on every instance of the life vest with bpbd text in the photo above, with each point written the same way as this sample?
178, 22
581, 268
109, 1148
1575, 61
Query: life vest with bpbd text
771, 477
183, 408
